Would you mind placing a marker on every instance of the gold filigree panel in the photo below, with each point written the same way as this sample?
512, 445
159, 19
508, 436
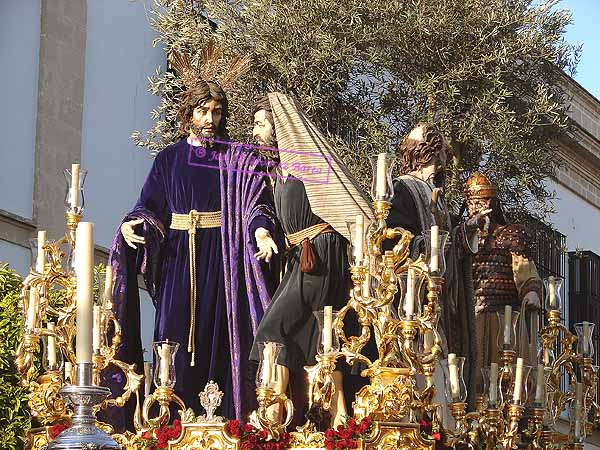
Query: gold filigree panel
396, 436
198, 436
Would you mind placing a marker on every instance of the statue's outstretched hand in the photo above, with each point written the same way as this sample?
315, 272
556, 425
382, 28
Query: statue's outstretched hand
265, 243
478, 220
129, 235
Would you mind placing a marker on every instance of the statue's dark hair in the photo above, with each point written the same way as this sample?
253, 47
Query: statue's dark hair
204, 91
417, 153
263, 103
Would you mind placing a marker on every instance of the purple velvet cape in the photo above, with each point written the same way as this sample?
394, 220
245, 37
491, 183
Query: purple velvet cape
233, 288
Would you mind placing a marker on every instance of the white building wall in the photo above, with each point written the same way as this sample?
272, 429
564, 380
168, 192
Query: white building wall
118, 60
17, 257
19, 55
577, 219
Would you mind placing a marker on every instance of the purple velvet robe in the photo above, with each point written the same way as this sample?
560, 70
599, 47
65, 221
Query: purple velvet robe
233, 288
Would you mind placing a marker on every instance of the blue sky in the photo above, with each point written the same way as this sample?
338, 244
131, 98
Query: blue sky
585, 30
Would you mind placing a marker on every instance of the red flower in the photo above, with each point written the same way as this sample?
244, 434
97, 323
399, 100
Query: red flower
248, 428
233, 428
348, 433
364, 426
437, 436
262, 434
352, 424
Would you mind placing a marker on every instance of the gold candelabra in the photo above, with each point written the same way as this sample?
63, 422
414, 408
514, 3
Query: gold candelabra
395, 297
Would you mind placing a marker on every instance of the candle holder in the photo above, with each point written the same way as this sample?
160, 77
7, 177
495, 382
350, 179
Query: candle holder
52, 357
511, 435
164, 380
382, 187
456, 389
267, 379
72, 205
507, 342
83, 433
459, 414
328, 341
435, 245
410, 295
267, 398
553, 288
494, 398
491, 424
359, 241
585, 345
535, 426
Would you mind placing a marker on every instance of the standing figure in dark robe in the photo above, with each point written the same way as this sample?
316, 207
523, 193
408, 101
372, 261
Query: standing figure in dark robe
201, 234
417, 205
313, 213
503, 274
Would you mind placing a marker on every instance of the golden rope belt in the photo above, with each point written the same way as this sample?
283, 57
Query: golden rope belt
191, 222
309, 233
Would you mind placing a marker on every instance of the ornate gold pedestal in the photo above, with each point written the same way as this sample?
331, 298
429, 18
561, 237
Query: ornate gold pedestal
396, 436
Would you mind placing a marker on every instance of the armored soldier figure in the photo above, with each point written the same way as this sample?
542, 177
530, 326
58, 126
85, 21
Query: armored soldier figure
503, 274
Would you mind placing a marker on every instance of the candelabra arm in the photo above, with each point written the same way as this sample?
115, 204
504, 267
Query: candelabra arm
266, 398
511, 435
164, 396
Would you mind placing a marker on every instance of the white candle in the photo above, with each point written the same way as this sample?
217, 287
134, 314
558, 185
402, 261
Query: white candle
428, 339
108, 280
552, 293
97, 328
74, 185
32, 307
147, 377
381, 176
41, 254
68, 371
366, 286
51, 346
359, 239
327, 328
84, 261
540, 385
409, 298
507, 324
434, 264
165, 361
268, 363
546, 356
518, 380
493, 395
586, 338
453, 372
578, 409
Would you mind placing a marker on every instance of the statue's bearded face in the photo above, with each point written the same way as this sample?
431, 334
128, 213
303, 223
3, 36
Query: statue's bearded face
475, 205
263, 131
206, 118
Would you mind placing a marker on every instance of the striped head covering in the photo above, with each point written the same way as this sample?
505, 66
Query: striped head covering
333, 193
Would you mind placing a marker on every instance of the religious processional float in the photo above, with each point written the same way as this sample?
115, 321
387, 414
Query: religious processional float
78, 339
